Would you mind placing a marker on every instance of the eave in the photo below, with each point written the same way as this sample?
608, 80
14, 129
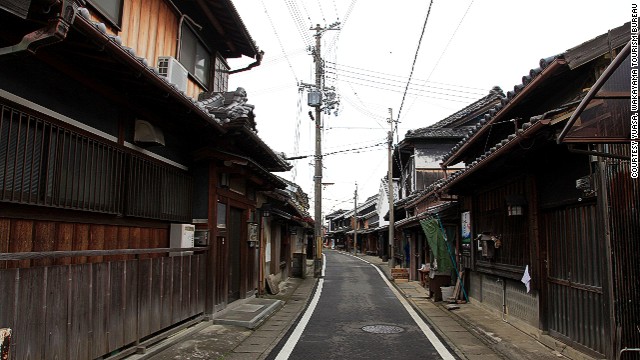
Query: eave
512, 100
619, 59
248, 140
232, 38
239, 161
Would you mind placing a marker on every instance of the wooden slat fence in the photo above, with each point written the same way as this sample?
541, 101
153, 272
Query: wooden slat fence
85, 311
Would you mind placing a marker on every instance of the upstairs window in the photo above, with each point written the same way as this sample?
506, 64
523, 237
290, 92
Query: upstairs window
194, 55
110, 9
221, 75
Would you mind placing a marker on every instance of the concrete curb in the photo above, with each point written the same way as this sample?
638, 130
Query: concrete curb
435, 328
310, 283
424, 316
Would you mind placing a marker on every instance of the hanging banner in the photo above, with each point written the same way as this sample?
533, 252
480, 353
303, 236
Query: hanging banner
466, 232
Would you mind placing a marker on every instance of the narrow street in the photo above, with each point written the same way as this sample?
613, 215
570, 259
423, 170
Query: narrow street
358, 316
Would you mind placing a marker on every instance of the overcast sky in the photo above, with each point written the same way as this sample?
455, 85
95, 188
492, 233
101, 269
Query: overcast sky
467, 48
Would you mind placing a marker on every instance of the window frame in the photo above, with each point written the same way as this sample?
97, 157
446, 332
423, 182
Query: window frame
115, 22
220, 72
191, 68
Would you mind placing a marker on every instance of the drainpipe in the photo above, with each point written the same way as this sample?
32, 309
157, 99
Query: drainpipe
55, 31
250, 66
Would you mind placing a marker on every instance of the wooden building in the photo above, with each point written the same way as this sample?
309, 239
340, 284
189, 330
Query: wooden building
542, 197
118, 139
418, 168
335, 235
287, 236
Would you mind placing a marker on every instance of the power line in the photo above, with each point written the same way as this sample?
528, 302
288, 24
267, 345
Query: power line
321, 11
279, 41
296, 141
354, 150
296, 17
449, 42
408, 93
403, 77
342, 71
335, 9
353, 127
398, 85
282, 57
446, 47
306, 12
343, 22
415, 58
358, 143
363, 110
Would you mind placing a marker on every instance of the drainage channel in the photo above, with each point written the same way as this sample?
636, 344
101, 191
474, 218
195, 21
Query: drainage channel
382, 329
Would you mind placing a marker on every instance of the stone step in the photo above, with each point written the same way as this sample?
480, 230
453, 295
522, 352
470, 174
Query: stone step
249, 314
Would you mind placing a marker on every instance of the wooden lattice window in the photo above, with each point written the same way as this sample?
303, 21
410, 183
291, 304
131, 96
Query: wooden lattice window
158, 191
44, 164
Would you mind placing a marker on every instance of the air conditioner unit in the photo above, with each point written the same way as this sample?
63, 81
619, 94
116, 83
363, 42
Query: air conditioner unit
171, 68
181, 236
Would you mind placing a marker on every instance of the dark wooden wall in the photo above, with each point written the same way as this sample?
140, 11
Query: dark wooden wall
84, 311
20, 235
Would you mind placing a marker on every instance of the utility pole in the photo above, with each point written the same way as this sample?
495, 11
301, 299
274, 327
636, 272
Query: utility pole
317, 178
390, 181
355, 221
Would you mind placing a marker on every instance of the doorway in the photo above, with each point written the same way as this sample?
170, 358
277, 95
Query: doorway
235, 241
574, 279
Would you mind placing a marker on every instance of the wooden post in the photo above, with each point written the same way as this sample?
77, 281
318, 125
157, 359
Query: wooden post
5, 342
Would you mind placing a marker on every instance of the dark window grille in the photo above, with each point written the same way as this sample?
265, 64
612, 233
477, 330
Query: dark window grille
491, 216
159, 192
44, 164
221, 75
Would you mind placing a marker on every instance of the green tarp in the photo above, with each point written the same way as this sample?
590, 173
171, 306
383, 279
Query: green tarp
435, 238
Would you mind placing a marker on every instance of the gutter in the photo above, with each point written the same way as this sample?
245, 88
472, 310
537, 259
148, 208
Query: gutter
250, 66
55, 31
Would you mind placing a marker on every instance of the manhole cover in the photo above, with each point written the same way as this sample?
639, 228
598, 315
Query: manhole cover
382, 329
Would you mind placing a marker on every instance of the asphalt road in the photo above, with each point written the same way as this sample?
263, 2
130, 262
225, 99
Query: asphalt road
351, 298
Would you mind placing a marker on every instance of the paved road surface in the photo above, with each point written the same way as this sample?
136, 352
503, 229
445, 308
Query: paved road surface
353, 295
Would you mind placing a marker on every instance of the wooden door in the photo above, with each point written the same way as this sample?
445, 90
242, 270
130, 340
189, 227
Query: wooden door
575, 277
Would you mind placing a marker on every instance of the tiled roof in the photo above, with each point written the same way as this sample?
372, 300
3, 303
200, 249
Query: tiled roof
217, 109
447, 127
425, 214
525, 131
489, 116
573, 57
335, 214
438, 133
228, 106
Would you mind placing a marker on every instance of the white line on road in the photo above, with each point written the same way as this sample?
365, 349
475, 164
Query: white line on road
291, 343
437, 344
324, 264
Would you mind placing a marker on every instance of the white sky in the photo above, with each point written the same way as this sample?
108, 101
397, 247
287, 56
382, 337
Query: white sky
468, 47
